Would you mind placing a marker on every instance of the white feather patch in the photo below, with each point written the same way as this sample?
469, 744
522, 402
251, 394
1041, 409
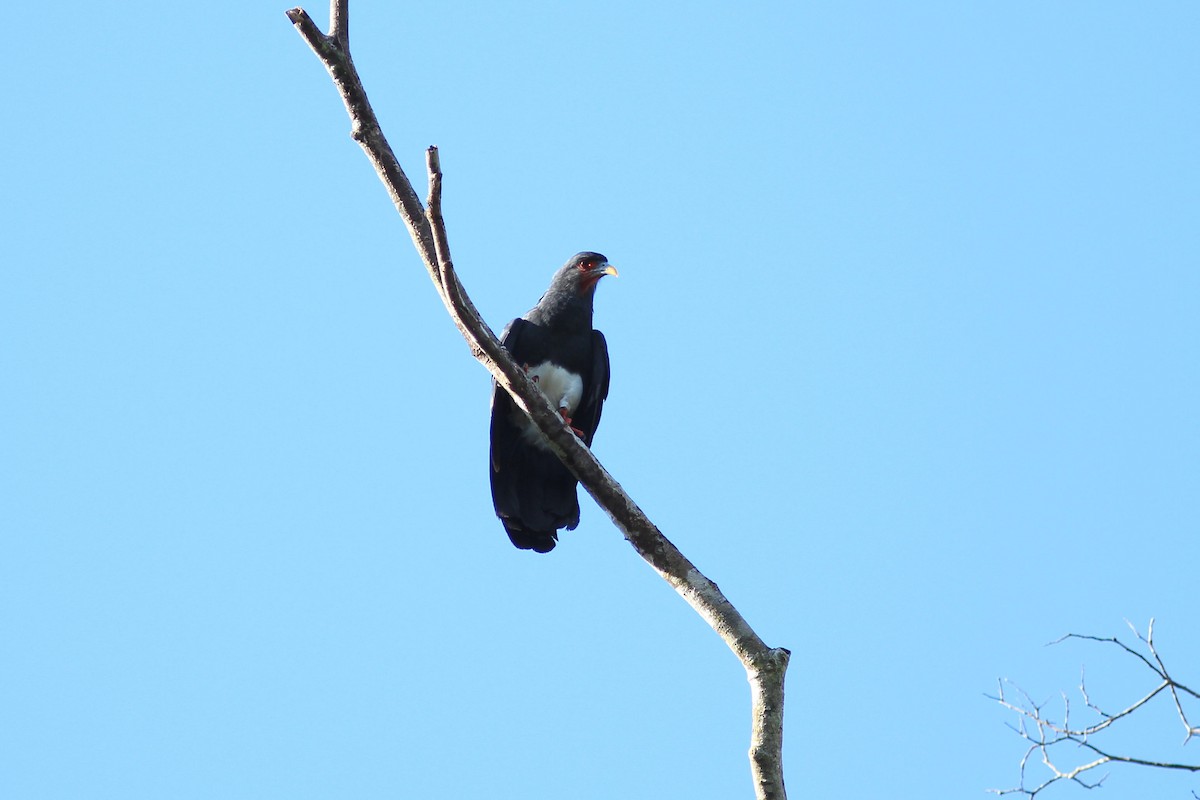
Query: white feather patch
562, 387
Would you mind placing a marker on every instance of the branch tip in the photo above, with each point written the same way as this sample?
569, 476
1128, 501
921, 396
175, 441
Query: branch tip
308, 28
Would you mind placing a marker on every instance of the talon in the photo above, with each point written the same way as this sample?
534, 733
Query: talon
562, 412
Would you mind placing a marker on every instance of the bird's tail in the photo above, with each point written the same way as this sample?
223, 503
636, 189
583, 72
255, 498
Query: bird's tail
525, 539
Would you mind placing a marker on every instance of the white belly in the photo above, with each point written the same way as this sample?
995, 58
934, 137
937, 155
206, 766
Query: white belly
562, 388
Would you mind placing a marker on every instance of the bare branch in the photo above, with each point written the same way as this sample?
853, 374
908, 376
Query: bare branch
1043, 733
334, 53
339, 23
765, 666
1174, 686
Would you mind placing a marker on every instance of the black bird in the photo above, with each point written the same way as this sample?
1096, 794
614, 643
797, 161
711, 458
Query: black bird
533, 493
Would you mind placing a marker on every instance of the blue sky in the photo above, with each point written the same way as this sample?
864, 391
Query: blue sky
904, 357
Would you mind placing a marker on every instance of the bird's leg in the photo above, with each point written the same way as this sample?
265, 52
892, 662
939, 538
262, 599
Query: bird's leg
562, 412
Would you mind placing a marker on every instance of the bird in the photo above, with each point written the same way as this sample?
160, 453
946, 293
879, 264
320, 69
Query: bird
533, 493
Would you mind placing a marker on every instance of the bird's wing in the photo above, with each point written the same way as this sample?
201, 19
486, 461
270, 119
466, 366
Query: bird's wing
510, 337
587, 415
504, 436
532, 492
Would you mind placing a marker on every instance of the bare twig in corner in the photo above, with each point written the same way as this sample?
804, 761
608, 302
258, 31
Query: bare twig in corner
1044, 734
765, 666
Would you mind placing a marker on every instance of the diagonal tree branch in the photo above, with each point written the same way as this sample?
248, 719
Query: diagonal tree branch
765, 666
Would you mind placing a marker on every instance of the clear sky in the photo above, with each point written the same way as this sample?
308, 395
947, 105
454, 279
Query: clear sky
904, 357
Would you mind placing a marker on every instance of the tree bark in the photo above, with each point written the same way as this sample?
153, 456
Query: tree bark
765, 666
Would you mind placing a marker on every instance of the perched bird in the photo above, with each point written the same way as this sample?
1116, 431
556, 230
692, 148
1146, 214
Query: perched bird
533, 493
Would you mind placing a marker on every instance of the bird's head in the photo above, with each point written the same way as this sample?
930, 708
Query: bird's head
585, 270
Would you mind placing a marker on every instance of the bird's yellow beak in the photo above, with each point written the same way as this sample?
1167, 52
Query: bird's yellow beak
609, 269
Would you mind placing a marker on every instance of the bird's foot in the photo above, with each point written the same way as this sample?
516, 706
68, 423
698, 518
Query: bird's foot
562, 412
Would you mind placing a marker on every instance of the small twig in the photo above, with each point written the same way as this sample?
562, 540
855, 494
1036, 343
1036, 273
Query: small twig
1043, 734
1174, 686
1110, 640
462, 309
433, 214
339, 23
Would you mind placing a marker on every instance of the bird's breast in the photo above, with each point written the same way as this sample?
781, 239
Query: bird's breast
561, 386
